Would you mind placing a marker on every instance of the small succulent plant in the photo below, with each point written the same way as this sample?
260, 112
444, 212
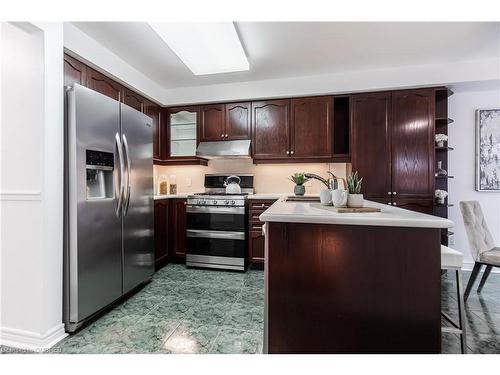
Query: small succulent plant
299, 178
354, 183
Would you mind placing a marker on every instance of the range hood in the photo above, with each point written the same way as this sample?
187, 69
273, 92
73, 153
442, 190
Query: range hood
224, 149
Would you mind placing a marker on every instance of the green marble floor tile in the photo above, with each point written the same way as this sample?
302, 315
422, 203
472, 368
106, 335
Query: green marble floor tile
141, 303
217, 295
191, 338
149, 335
245, 317
172, 308
251, 296
231, 341
254, 279
207, 312
484, 344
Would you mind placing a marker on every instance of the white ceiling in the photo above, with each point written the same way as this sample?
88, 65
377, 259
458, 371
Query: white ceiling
295, 49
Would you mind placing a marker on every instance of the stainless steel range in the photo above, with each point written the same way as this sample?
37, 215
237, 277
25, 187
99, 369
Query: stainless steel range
217, 229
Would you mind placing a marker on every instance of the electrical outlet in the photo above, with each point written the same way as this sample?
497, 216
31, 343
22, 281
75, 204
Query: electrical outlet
188, 181
451, 239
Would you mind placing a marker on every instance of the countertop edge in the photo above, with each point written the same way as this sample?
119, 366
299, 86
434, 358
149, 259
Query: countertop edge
311, 218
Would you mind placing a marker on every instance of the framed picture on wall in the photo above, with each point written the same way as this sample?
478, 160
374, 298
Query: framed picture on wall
488, 150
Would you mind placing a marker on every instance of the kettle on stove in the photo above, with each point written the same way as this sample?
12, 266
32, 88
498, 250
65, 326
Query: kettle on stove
232, 186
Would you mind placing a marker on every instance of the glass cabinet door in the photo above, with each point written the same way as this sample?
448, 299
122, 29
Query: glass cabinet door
183, 133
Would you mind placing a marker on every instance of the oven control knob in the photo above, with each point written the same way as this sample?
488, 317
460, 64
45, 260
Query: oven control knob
214, 202
232, 203
226, 202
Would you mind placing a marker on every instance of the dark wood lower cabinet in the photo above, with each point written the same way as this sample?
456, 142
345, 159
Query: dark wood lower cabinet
353, 289
169, 231
161, 232
256, 239
178, 230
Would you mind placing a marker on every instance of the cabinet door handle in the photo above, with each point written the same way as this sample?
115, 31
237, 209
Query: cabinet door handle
394, 193
389, 193
227, 135
263, 205
394, 204
389, 203
288, 152
292, 152
222, 135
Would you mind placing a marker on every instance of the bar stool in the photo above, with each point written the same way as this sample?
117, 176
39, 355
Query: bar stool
452, 260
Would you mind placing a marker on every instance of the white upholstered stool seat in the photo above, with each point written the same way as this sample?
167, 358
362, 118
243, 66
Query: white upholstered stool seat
491, 256
451, 258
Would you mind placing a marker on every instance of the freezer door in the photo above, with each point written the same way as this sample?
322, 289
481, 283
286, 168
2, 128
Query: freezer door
93, 253
138, 259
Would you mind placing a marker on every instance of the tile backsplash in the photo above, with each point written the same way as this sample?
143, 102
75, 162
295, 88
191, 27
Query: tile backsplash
268, 178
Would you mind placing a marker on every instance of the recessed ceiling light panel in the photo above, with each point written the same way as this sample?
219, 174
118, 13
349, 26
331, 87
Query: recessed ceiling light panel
204, 47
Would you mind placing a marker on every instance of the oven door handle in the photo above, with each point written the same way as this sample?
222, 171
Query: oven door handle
215, 210
223, 235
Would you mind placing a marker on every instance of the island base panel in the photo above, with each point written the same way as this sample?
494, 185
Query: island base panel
352, 289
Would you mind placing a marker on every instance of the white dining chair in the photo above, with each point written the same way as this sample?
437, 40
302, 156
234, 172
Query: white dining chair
481, 244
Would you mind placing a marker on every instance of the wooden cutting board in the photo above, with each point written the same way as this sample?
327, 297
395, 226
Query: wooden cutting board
357, 209
345, 210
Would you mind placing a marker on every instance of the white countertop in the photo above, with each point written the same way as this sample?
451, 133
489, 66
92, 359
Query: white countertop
171, 196
303, 212
267, 196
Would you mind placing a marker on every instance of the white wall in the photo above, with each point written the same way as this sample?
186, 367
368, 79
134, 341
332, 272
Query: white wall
31, 197
461, 108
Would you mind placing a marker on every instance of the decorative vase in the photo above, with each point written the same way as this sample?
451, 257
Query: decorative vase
299, 189
355, 200
440, 171
440, 144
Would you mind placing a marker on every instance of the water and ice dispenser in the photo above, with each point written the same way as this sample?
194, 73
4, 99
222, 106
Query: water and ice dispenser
99, 168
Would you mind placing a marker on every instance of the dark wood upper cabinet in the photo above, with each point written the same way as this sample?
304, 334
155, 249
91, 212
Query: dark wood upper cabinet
212, 123
270, 129
154, 111
237, 122
371, 143
311, 128
74, 71
413, 143
105, 85
133, 100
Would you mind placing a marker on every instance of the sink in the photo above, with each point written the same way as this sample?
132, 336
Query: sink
295, 198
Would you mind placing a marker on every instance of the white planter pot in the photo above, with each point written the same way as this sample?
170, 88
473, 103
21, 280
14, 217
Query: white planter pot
355, 200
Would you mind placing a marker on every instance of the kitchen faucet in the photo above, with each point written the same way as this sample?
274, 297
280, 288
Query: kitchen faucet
330, 183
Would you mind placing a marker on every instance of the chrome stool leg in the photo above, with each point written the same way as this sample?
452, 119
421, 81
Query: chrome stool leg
460, 327
461, 311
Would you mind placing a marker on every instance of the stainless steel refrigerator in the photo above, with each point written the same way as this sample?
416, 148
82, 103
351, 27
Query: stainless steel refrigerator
108, 203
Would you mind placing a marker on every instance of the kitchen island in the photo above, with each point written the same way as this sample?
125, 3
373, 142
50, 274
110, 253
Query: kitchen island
351, 282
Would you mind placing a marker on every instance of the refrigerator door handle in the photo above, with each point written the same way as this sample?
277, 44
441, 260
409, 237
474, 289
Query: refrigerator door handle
129, 179
121, 173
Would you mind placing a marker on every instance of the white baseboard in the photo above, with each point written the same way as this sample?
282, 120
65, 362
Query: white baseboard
18, 338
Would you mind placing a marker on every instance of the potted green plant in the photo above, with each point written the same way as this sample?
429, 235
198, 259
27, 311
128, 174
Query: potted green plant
299, 179
355, 198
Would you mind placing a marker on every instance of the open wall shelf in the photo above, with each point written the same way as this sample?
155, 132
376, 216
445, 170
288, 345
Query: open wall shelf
441, 154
